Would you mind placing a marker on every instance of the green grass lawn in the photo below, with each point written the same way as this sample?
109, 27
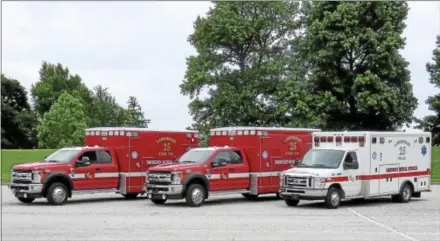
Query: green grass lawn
13, 157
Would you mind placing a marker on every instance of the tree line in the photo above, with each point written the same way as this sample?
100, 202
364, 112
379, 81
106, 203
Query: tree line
328, 65
61, 107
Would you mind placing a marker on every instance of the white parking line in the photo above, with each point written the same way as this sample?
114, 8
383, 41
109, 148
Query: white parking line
382, 225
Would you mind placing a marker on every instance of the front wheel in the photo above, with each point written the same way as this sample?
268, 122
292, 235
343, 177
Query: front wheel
333, 199
57, 193
195, 196
291, 202
26, 199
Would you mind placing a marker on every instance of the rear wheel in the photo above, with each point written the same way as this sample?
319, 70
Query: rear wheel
291, 202
333, 199
404, 195
57, 193
130, 196
26, 199
195, 196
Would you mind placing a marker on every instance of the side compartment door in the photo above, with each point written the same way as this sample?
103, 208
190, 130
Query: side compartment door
83, 177
238, 172
136, 175
218, 176
353, 185
266, 154
106, 170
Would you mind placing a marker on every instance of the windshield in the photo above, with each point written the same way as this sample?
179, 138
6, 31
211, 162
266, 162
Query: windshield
61, 156
322, 159
195, 156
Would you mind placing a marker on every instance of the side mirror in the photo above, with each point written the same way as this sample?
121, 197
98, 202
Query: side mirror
223, 162
296, 162
215, 163
85, 161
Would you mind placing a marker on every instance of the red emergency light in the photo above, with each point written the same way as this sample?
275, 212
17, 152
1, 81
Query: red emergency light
361, 141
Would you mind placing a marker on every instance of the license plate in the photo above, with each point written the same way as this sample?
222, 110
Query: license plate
295, 196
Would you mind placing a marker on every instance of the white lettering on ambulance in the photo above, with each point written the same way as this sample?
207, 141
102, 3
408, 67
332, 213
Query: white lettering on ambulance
281, 162
402, 169
158, 162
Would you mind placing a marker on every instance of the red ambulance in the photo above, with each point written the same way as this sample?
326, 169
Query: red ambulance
113, 160
239, 160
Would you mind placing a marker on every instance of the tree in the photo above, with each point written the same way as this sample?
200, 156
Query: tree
54, 80
135, 115
354, 64
18, 119
104, 109
240, 61
64, 124
432, 122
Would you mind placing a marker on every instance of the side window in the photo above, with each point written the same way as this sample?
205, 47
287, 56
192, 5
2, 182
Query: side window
236, 157
104, 157
91, 155
225, 155
351, 160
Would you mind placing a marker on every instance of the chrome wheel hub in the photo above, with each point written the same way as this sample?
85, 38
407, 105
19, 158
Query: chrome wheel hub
59, 194
406, 193
334, 198
197, 196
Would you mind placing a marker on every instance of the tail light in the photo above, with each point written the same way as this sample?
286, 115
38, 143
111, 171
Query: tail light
361, 141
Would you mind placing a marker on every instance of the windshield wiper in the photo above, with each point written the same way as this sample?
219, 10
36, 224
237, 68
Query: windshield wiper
53, 161
301, 165
187, 162
320, 165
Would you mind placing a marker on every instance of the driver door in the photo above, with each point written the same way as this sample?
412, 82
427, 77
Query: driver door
84, 176
218, 176
352, 186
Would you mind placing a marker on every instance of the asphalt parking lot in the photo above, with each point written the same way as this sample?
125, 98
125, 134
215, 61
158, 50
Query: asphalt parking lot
110, 217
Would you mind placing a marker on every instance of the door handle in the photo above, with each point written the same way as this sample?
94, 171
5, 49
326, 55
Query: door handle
98, 169
231, 169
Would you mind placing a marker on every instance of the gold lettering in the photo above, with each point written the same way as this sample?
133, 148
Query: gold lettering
169, 139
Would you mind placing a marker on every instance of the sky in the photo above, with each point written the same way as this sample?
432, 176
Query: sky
139, 48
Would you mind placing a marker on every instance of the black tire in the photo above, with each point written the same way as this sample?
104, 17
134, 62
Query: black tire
158, 201
57, 193
291, 202
333, 199
405, 193
26, 199
130, 196
195, 195
250, 196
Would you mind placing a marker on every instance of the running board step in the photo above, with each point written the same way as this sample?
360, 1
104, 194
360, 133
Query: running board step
94, 191
227, 192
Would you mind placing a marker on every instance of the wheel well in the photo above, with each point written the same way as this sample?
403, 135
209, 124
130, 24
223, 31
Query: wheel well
60, 179
338, 186
197, 180
410, 184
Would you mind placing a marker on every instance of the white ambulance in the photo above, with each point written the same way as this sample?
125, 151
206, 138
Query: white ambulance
358, 165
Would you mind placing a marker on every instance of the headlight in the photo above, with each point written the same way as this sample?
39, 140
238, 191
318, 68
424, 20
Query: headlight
320, 181
176, 177
36, 176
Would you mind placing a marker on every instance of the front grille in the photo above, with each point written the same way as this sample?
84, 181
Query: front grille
298, 182
21, 177
160, 178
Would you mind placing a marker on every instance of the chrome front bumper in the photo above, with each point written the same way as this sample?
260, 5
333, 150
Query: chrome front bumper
306, 194
26, 190
168, 190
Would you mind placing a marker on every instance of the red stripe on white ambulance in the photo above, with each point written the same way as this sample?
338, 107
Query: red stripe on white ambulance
358, 165
113, 160
242, 160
